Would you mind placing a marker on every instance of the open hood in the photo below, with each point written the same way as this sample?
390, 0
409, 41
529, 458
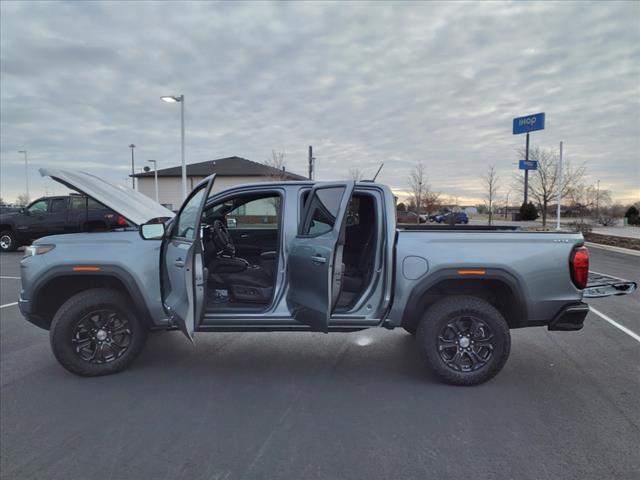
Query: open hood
132, 205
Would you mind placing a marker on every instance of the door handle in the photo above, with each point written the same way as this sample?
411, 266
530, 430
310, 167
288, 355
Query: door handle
244, 235
179, 263
318, 259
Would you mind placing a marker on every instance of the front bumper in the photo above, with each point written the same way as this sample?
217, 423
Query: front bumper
25, 310
570, 318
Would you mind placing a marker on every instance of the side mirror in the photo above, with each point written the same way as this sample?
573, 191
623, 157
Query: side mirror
152, 231
23, 211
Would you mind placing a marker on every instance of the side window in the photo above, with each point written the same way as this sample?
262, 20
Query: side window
58, 205
255, 214
323, 210
77, 203
82, 203
188, 221
39, 207
93, 205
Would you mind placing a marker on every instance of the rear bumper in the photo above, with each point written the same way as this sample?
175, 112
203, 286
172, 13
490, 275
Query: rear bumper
571, 317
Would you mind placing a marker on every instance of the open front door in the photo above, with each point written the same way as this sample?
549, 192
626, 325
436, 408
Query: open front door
315, 267
181, 262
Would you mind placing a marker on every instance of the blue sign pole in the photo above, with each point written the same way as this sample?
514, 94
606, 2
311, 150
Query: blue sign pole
527, 124
526, 172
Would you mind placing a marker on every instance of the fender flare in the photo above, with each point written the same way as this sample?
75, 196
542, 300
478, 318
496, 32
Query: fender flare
451, 273
112, 271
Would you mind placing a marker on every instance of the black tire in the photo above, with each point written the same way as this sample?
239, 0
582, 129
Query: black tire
441, 340
8, 242
71, 340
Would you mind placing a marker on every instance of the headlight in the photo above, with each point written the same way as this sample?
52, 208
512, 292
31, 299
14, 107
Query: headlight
37, 250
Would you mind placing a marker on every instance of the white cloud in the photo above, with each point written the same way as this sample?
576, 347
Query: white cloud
362, 83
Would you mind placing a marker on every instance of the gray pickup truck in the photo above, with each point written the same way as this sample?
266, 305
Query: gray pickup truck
299, 256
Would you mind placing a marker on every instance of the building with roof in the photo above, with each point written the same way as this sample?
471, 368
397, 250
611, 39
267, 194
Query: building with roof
229, 171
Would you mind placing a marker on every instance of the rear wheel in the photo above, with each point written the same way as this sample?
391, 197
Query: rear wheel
8, 241
464, 340
96, 332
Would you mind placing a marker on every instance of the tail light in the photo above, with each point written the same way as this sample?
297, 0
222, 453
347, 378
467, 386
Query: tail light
580, 267
121, 221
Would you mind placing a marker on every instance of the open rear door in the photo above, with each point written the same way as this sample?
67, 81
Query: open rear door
315, 267
182, 266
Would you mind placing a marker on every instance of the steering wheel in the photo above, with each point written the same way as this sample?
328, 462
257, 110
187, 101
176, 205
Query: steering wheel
222, 240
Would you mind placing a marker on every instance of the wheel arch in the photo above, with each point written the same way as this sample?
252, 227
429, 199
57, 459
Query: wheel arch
498, 287
46, 297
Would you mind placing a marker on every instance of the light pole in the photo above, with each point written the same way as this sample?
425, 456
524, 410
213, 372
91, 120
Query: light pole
180, 99
133, 179
26, 172
155, 173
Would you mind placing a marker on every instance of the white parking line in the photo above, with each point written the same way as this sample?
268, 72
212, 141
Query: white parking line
8, 305
9, 278
616, 324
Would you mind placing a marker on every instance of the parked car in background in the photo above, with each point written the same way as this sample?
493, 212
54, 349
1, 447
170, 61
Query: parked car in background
452, 218
406, 217
55, 215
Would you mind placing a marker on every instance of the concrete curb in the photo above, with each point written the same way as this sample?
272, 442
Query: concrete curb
628, 251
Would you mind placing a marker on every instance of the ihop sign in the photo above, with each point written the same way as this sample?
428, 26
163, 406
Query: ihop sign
529, 123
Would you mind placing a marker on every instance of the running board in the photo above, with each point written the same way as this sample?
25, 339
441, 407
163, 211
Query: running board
602, 285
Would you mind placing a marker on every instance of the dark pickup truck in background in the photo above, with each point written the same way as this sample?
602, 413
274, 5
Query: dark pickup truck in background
55, 215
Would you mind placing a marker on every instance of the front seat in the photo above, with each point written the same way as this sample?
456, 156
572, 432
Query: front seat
244, 282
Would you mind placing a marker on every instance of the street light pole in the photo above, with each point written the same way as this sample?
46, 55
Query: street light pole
155, 173
133, 179
180, 99
26, 172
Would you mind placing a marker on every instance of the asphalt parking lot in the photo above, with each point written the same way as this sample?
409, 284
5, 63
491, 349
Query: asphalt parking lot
314, 406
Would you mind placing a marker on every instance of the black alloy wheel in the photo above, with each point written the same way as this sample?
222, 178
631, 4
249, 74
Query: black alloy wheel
465, 344
101, 336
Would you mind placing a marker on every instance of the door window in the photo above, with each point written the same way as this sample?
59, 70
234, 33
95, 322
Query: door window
39, 207
58, 205
261, 213
189, 217
323, 211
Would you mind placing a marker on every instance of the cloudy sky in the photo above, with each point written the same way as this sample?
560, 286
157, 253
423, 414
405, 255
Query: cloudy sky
363, 83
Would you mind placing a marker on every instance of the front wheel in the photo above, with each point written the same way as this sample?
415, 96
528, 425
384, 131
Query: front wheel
464, 340
8, 241
96, 332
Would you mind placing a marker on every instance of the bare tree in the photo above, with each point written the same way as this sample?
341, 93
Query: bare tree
417, 185
584, 198
356, 174
422, 196
23, 199
277, 162
431, 200
491, 185
543, 182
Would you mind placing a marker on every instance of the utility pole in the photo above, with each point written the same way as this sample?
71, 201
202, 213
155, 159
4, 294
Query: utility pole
133, 170
506, 207
311, 163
